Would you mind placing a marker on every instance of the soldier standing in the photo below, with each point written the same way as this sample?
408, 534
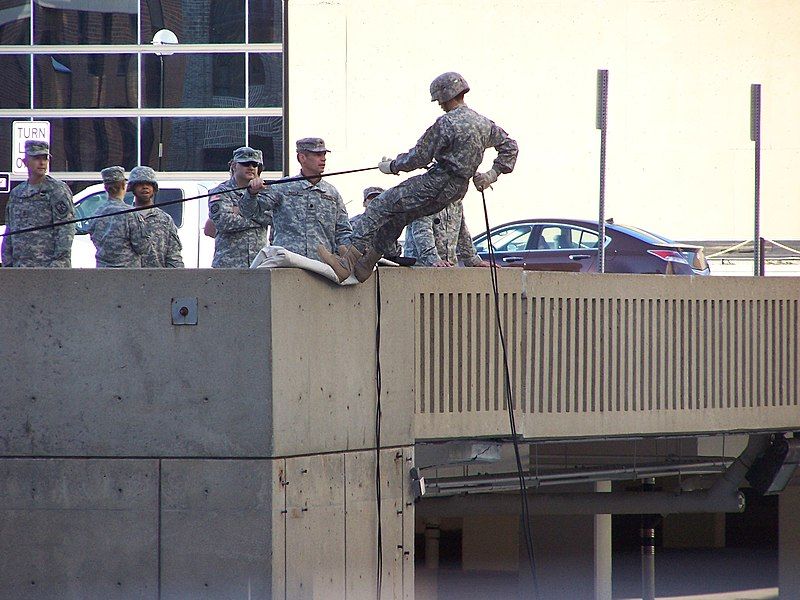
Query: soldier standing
41, 200
121, 240
307, 214
237, 239
456, 143
442, 240
165, 246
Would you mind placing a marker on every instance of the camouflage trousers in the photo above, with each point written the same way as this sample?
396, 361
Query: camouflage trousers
385, 217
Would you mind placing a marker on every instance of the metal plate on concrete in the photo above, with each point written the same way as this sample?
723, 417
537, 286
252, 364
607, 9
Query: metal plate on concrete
184, 311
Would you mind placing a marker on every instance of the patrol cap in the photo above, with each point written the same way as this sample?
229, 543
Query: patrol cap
36, 148
112, 174
311, 144
372, 191
247, 154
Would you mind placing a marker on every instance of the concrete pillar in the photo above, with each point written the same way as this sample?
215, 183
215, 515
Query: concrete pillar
602, 550
789, 543
432, 535
567, 558
426, 579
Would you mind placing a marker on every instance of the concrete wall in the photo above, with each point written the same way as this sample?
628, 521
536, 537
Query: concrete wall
680, 160
301, 527
230, 458
283, 363
279, 363
142, 458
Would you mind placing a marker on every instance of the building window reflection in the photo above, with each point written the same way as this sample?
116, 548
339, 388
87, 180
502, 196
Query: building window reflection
85, 81
15, 91
122, 103
90, 144
58, 22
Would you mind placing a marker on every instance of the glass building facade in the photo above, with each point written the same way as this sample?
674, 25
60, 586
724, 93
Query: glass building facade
113, 97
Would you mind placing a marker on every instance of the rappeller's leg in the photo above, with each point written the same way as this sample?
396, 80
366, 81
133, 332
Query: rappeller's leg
384, 219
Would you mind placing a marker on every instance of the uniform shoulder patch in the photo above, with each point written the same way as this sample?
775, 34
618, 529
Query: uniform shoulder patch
61, 208
214, 208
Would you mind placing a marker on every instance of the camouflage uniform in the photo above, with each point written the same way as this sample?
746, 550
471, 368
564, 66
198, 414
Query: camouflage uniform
165, 246
304, 214
121, 240
456, 142
372, 192
238, 239
443, 236
32, 205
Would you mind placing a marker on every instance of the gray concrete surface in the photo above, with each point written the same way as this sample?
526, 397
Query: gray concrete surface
142, 458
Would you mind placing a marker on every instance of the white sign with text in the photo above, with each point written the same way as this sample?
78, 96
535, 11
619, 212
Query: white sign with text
21, 132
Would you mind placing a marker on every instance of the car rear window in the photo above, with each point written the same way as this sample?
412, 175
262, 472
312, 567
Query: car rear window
645, 236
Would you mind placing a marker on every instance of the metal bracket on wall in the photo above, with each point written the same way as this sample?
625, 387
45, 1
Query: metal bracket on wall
184, 311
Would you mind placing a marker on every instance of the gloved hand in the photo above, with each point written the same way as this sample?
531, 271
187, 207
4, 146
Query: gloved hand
386, 166
484, 180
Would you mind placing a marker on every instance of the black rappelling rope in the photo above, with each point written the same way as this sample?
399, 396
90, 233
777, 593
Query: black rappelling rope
379, 573
178, 201
523, 488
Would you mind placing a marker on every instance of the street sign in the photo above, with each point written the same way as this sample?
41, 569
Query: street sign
22, 131
5, 183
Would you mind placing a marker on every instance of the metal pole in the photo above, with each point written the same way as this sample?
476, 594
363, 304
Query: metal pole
648, 542
602, 106
755, 135
161, 118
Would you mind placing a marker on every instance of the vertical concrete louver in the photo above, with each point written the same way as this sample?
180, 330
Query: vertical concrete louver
656, 350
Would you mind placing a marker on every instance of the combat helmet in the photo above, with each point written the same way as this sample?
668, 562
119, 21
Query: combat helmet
447, 86
142, 175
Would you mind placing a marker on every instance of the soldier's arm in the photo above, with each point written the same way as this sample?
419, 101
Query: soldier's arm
62, 210
423, 152
7, 253
507, 150
221, 210
424, 241
259, 207
173, 258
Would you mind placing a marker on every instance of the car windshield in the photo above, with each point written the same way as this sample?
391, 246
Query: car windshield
90, 205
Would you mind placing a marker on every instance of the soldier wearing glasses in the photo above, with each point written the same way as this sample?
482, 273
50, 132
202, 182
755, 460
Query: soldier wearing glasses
307, 213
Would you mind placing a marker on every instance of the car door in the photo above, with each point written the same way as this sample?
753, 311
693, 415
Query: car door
561, 247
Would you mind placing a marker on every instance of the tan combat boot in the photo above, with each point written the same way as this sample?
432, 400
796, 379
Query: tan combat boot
365, 264
342, 264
